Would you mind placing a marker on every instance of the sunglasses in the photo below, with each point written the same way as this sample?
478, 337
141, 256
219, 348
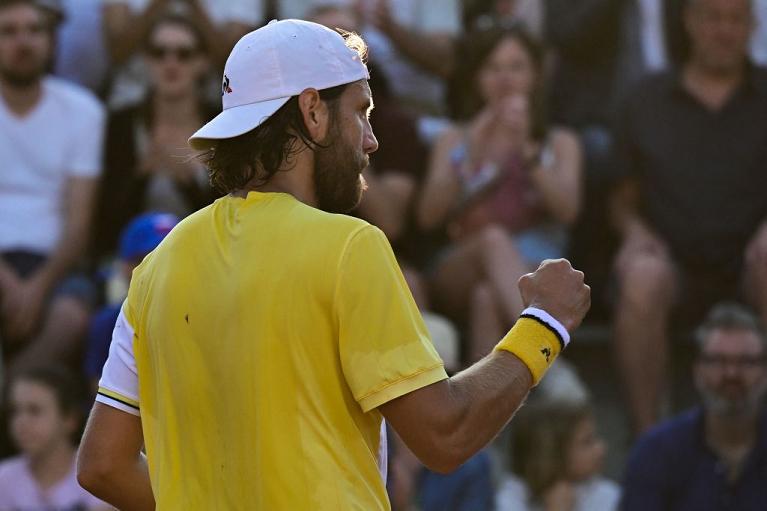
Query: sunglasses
180, 53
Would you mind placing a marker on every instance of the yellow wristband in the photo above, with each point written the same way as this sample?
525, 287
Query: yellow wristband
534, 343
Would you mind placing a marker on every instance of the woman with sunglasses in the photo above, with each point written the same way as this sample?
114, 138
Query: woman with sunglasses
148, 165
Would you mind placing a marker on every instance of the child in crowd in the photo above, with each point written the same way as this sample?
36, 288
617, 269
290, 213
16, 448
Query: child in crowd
43, 420
557, 458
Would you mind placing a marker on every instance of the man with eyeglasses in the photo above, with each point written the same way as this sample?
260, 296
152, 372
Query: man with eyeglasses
713, 457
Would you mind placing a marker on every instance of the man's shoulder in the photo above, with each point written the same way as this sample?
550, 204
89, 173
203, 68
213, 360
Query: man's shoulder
74, 96
676, 433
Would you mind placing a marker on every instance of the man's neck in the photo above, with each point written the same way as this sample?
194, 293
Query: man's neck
296, 180
53, 466
711, 87
21, 100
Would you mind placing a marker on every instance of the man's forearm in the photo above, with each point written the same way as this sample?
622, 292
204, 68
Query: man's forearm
487, 395
460, 415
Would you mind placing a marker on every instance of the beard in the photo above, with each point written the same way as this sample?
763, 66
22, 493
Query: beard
338, 181
20, 80
747, 404
26, 75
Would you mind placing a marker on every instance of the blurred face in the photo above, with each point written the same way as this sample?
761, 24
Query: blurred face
586, 453
24, 45
175, 61
338, 166
719, 32
37, 424
507, 71
730, 372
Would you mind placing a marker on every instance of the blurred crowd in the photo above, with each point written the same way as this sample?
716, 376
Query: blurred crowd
627, 135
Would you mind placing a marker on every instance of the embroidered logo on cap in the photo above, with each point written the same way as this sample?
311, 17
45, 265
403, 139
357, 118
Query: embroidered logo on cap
225, 89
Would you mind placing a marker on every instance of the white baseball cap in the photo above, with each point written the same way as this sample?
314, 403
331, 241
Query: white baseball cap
272, 64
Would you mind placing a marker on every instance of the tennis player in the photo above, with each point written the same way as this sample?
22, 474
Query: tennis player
263, 342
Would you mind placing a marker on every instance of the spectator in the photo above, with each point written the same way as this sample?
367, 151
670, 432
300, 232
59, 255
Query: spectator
603, 47
600, 48
141, 236
692, 210
50, 140
557, 458
148, 165
504, 185
128, 22
44, 419
712, 457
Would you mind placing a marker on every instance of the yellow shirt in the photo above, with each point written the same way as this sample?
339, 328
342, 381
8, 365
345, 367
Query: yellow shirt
265, 334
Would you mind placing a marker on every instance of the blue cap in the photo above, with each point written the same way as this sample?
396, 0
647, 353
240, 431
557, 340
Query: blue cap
144, 233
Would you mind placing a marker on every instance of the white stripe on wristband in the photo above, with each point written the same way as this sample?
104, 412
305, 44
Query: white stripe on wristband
547, 318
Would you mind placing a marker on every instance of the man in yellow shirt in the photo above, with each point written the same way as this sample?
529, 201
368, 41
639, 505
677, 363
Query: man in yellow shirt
263, 342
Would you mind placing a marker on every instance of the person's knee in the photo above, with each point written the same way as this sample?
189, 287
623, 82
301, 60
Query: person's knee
647, 283
495, 239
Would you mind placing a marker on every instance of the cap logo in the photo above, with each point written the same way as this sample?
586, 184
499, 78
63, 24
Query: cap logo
225, 89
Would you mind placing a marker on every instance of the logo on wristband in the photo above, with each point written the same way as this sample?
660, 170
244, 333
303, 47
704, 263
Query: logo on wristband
546, 353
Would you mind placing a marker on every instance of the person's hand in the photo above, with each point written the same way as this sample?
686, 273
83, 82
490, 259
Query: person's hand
23, 312
559, 290
560, 497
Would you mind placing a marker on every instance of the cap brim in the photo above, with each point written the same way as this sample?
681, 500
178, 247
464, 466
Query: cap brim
233, 122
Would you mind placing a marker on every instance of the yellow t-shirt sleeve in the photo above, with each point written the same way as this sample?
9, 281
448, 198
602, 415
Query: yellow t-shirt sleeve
384, 345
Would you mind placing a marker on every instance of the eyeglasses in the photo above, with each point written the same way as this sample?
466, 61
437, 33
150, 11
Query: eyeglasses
744, 361
181, 53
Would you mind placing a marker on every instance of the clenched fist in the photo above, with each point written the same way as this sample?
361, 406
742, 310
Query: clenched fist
558, 289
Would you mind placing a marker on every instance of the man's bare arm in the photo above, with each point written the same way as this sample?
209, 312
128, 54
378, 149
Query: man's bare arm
446, 423
110, 464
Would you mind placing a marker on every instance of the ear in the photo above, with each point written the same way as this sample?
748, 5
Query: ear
314, 112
